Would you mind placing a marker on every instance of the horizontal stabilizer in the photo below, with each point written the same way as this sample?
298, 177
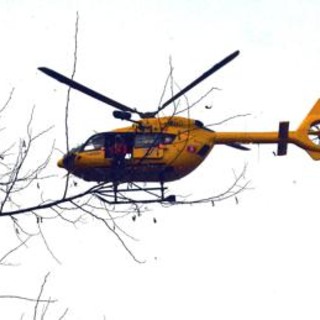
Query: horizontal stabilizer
237, 145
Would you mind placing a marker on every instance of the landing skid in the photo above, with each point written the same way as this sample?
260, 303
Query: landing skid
120, 195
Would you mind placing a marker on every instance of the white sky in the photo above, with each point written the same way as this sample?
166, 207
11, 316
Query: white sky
256, 260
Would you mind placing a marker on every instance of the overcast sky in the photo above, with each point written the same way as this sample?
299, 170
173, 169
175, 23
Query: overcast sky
258, 259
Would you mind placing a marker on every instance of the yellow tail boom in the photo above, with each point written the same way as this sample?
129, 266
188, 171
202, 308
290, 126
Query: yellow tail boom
307, 136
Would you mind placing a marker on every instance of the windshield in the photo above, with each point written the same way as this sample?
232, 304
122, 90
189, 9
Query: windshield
94, 143
76, 149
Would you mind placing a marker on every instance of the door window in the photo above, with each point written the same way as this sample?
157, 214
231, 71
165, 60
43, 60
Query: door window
151, 140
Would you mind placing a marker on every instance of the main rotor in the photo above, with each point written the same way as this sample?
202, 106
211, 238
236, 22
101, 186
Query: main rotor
124, 112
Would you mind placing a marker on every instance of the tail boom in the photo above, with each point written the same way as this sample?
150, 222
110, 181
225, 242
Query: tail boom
307, 136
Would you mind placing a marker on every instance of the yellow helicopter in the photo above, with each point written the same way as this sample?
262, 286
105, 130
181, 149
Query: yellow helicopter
163, 149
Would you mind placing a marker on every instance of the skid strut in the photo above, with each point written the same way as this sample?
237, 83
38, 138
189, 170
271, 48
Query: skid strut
118, 195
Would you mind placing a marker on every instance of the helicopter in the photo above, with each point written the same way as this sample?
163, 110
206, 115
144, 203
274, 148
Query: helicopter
162, 149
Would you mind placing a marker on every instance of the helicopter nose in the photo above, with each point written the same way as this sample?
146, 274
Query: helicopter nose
60, 163
67, 162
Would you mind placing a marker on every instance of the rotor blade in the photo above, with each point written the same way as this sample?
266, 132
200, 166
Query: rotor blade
77, 86
208, 73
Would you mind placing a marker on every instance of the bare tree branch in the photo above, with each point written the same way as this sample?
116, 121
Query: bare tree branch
47, 245
64, 314
75, 60
8, 100
7, 296
113, 231
4, 257
39, 296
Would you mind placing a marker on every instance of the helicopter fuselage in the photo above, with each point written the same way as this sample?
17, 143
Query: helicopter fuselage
168, 148
157, 150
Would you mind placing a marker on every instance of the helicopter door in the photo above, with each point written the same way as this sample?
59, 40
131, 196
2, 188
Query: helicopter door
147, 145
114, 141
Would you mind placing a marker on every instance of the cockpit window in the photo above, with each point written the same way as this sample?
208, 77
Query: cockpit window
76, 149
94, 143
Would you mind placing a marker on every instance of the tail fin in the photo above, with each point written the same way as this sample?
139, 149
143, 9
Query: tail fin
308, 134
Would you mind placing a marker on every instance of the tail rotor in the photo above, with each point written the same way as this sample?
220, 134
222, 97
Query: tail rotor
314, 133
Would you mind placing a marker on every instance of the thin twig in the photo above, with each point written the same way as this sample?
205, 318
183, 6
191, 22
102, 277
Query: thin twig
8, 100
74, 69
112, 230
64, 314
47, 245
8, 296
14, 249
39, 296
